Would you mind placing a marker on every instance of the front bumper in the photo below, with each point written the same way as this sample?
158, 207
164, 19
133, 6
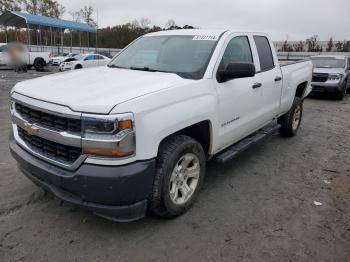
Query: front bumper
325, 87
115, 192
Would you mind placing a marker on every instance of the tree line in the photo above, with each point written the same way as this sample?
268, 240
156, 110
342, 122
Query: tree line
312, 44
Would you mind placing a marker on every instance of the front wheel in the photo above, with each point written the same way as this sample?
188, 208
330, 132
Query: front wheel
348, 85
290, 122
179, 175
341, 94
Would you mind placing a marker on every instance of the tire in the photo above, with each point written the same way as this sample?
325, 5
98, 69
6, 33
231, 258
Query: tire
39, 64
340, 95
167, 199
290, 122
348, 86
78, 67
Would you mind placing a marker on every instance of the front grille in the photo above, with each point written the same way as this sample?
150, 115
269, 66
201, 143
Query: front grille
52, 150
319, 77
48, 120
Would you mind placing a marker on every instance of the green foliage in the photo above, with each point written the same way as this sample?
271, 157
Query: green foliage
286, 47
312, 44
86, 14
299, 47
343, 46
9, 5
330, 45
49, 8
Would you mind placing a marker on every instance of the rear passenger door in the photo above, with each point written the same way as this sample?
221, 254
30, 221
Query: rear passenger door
269, 76
101, 61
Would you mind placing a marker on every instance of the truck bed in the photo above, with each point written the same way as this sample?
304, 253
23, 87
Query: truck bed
290, 62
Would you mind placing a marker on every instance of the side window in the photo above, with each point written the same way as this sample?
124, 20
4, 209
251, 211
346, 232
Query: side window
3, 48
264, 52
98, 57
90, 57
237, 50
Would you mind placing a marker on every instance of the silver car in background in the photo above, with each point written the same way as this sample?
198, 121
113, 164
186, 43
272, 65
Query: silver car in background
331, 75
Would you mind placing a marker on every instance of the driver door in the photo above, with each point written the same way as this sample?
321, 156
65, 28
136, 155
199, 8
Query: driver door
238, 98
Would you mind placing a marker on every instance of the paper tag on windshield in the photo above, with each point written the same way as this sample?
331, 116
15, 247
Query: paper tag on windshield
206, 37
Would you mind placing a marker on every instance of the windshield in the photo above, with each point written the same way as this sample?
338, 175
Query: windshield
328, 62
187, 56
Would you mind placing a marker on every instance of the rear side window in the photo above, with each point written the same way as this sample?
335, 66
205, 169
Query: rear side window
237, 50
264, 52
98, 57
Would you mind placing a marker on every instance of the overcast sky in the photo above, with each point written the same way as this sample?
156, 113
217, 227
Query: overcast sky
297, 19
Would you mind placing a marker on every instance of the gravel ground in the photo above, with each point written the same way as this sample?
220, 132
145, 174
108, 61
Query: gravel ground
259, 207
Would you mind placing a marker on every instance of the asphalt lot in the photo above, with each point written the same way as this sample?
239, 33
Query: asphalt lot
260, 207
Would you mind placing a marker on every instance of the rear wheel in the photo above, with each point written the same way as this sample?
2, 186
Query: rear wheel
179, 175
39, 64
78, 67
290, 122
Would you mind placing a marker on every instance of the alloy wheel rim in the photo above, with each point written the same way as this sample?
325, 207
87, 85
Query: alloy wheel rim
296, 117
184, 179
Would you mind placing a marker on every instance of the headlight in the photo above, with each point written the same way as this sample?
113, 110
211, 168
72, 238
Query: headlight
334, 77
109, 136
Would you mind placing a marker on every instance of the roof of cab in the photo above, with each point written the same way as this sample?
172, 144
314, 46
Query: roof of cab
214, 32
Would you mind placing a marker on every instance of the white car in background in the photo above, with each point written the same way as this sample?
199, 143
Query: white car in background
57, 60
84, 61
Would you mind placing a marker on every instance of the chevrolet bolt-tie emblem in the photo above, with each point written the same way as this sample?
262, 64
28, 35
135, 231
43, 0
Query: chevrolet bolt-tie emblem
30, 128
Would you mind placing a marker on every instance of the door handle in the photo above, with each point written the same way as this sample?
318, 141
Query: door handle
278, 78
257, 85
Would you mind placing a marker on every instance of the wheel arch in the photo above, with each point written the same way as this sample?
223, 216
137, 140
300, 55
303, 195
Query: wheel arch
300, 90
201, 132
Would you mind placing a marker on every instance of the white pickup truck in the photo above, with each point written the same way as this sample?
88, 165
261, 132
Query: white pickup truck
135, 135
36, 59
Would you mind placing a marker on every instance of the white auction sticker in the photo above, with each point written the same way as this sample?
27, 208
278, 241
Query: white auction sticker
206, 37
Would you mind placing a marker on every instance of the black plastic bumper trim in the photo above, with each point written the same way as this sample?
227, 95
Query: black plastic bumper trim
118, 193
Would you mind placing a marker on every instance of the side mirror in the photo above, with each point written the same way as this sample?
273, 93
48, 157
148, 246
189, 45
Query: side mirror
236, 70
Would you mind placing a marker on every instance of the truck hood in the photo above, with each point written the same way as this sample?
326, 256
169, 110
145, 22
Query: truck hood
96, 90
329, 70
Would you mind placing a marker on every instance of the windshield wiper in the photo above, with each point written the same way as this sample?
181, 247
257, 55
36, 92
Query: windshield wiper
147, 69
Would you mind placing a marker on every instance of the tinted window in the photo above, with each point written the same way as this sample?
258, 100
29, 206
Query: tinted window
328, 62
3, 48
90, 57
98, 57
237, 50
264, 52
